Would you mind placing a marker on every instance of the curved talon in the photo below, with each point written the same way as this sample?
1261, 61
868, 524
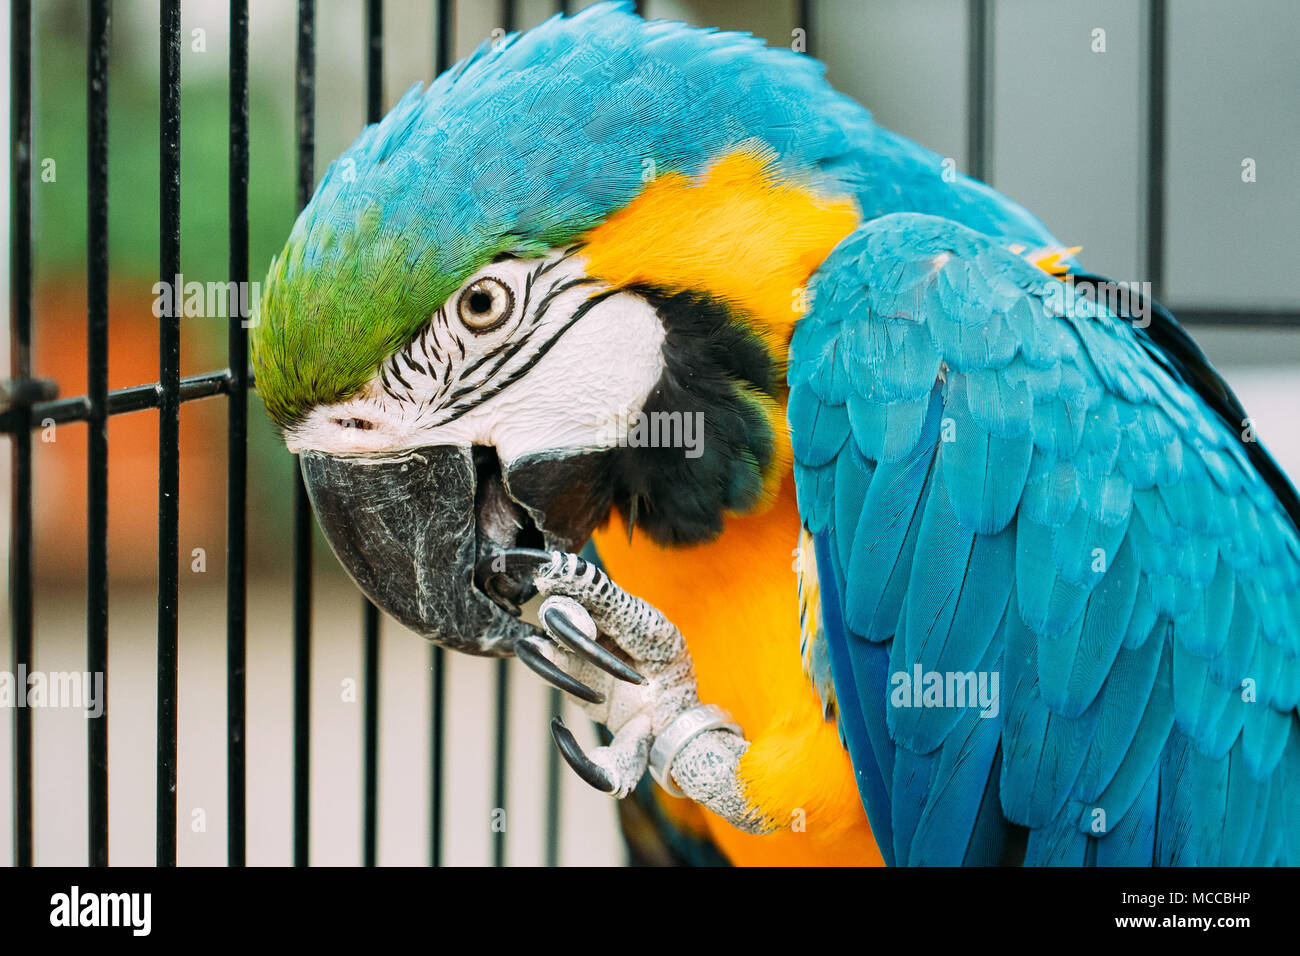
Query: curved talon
579, 761
567, 633
528, 652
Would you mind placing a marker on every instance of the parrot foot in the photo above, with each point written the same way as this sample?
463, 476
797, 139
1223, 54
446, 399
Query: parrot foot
652, 708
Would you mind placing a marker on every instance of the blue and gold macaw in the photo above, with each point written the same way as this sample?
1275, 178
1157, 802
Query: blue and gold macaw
918, 544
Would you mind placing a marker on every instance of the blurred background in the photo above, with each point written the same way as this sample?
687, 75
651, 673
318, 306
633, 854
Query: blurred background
1065, 135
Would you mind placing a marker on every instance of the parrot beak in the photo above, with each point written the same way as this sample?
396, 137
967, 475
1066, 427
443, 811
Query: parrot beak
434, 538
403, 526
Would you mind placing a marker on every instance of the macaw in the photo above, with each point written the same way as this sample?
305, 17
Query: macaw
915, 547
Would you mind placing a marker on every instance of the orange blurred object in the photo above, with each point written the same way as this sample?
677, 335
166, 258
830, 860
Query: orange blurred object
59, 353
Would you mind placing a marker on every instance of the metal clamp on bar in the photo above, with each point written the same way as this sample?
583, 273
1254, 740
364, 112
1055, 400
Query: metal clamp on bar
26, 392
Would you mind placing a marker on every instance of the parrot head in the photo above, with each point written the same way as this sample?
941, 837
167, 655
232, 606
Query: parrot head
559, 282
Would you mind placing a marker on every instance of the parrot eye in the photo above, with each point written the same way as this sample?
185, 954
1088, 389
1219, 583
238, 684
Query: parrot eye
485, 304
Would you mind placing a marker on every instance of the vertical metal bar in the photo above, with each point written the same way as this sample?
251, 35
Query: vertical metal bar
502, 674
302, 567
370, 735
169, 409
502, 753
237, 446
374, 60
437, 663
1154, 173
97, 421
20, 357
370, 614
806, 22
305, 109
437, 720
979, 89
442, 37
556, 701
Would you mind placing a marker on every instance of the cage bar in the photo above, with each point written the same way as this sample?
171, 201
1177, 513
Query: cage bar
119, 401
370, 613
502, 683
502, 752
305, 111
237, 449
1154, 169
97, 433
169, 358
555, 699
437, 722
20, 344
979, 89
442, 58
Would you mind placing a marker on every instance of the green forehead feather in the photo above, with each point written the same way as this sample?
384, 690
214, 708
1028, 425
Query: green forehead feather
337, 301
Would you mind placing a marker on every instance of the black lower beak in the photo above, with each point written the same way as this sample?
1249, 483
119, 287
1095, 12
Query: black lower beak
406, 528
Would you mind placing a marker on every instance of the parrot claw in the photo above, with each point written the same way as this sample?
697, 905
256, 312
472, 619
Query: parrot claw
529, 651
574, 756
657, 720
564, 630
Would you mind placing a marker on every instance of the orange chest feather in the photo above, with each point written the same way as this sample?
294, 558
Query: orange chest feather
736, 603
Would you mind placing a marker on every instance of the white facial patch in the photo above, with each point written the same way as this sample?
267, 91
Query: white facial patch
562, 369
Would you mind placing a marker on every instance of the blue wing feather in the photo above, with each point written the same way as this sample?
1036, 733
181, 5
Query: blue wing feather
1005, 477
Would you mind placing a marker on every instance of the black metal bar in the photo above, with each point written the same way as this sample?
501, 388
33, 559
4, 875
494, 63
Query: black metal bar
443, 38
370, 735
374, 60
979, 89
169, 407
369, 613
502, 752
302, 566
806, 23
556, 699
305, 109
97, 433
1257, 319
437, 718
1154, 174
508, 17
237, 449
20, 358
119, 401
442, 59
